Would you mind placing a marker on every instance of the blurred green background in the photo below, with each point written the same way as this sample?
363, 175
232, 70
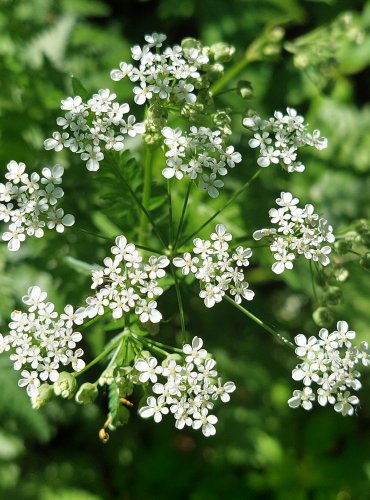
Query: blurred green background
262, 449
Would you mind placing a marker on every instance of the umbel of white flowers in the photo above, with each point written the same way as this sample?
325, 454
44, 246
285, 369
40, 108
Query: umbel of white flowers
41, 342
299, 232
280, 137
30, 203
187, 389
329, 362
90, 128
200, 155
217, 269
170, 75
126, 283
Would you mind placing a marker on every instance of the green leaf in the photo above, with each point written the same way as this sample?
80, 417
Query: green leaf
78, 88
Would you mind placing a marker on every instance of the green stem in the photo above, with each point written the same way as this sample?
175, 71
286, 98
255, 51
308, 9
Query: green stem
313, 283
245, 185
182, 218
148, 164
259, 322
159, 344
148, 249
103, 354
76, 228
230, 74
179, 301
170, 215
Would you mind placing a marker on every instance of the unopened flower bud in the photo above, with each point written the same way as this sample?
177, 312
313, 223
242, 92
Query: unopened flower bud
245, 89
190, 43
215, 71
323, 317
222, 52
342, 246
43, 396
87, 393
65, 386
341, 274
276, 34
333, 296
365, 239
362, 226
365, 261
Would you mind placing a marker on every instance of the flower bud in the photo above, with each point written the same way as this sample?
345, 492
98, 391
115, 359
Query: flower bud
215, 71
276, 34
190, 43
362, 226
365, 261
333, 296
365, 239
341, 274
87, 393
245, 89
43, 396
65, 386
107, 377
323, 317
222, 52
342, 246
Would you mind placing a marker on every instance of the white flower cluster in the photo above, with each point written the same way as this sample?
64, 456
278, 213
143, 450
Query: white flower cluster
168, 76
188, 390
126, 283
199, 154
300, 232
29, 203
217, 270
42, 341
329, 362
280, 137
92, 125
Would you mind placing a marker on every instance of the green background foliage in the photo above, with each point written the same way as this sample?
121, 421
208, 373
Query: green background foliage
262, 448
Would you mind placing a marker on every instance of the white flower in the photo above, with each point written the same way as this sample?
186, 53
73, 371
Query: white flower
211, 295
31, 382
143, 93
148, 369
148, 312
195, 353
345, 403
58, 220
206, 422
187, 263
302, 398
155, 408
92, 156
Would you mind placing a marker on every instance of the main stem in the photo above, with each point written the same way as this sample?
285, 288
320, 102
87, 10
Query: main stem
144, 223
259, 322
